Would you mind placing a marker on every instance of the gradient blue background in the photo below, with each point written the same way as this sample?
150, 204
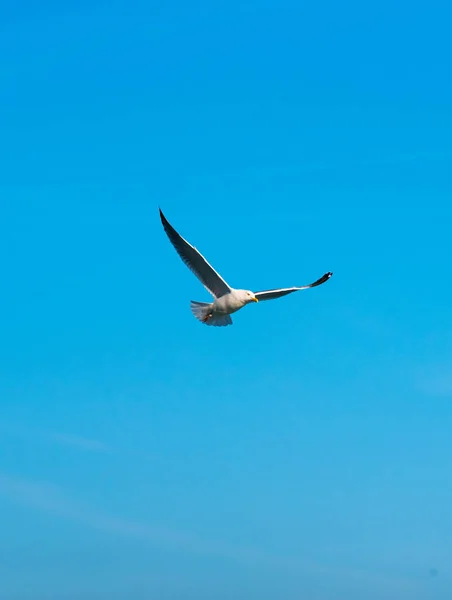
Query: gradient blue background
304, 452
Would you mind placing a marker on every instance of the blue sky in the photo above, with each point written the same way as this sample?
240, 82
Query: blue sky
303, 452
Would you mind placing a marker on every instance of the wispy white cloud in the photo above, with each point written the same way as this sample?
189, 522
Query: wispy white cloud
54, 437
41, 495
50, 498
76, 441
46, 496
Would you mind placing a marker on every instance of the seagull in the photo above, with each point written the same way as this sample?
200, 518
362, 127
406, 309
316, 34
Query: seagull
227, 300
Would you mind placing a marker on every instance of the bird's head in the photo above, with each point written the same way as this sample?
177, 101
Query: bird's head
249, 296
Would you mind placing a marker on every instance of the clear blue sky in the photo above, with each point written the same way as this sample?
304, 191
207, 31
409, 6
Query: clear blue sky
303, 452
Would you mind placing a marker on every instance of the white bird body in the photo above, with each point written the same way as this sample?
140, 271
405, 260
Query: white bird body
227, 300
234, 301
217, 312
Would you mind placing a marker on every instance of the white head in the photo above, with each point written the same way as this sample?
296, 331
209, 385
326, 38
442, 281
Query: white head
246, 296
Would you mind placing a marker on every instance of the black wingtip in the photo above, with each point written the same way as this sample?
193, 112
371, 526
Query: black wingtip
322, 279
169, 229
162, 217
325, 277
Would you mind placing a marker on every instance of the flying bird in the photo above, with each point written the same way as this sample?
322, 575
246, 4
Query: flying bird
227, 300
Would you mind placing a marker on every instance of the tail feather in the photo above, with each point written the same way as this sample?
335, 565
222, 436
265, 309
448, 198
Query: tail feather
203, 312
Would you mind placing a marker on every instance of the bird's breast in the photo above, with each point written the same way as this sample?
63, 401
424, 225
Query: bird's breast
228, 304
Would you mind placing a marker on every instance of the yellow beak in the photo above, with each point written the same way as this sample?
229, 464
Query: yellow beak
255, 299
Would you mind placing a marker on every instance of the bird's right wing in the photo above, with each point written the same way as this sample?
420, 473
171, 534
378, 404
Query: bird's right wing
273, 294
196, 262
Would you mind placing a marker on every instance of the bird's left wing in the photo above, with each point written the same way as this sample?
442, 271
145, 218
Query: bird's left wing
272, 294
195, 261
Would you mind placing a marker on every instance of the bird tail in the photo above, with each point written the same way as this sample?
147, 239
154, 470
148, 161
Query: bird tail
203, 312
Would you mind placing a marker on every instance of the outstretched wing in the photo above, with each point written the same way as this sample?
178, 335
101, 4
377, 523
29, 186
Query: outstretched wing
272, 294
196, 262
